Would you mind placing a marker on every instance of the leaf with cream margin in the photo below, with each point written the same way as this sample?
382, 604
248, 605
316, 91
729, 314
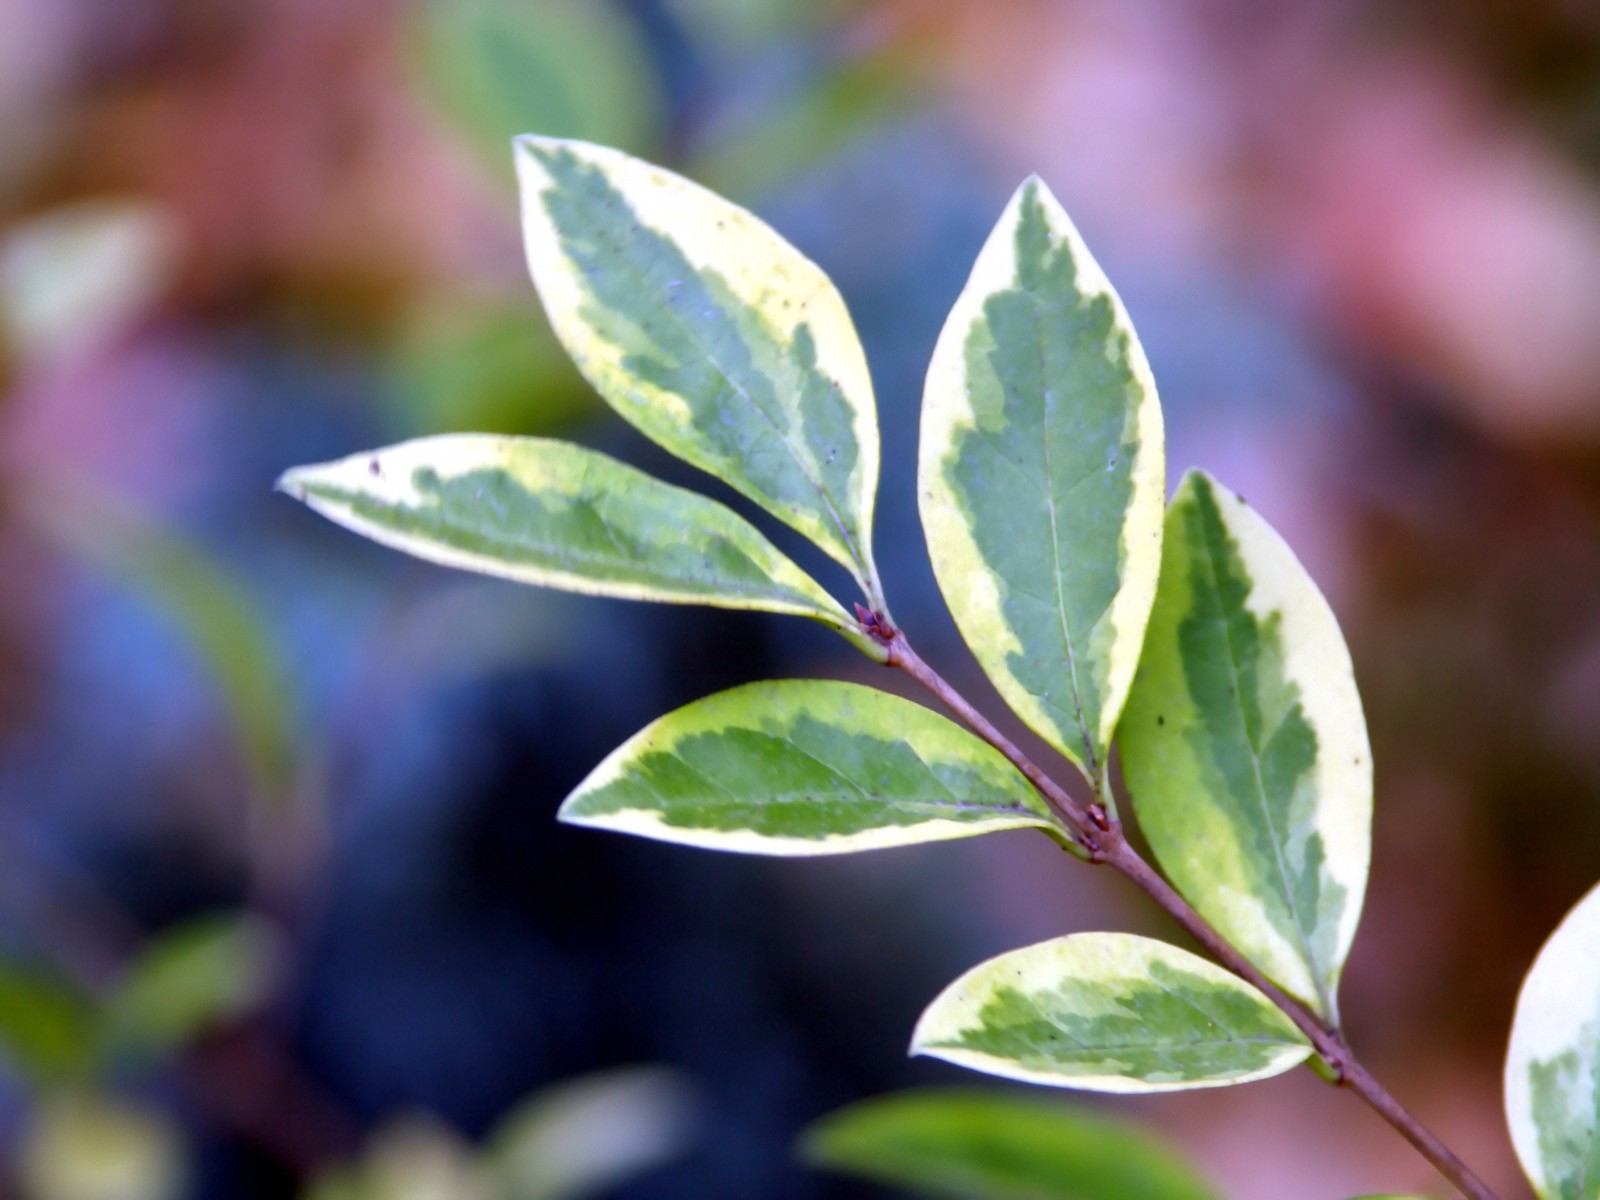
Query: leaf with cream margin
1552, 1082
551, 513
710, 333
804, 767
1109, 1012
1041, 477
1244, 746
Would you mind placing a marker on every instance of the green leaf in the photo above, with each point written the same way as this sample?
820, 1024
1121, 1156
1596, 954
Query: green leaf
709, 332
1110, 1012
202, 974
1042, 477
491, 368
1245, 748
586, 1136
774, 143
959, 1143
551, 513
804, 767
1552, 1085
44, 1024
567, 67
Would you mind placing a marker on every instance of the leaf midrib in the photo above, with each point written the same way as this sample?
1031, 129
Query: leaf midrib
569, 553
1285, 893
1055, 547
800, 461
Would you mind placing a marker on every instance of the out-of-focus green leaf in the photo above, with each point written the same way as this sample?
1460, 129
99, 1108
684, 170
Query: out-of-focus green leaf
493, 370
558, 515
200, 975
568, 68
1109, 1012
958, 1143
44, 1025
1552, 1081
1041, 477
803, 767
1245, 748
207, 605
709, 332
79, 273
740, 25
586, 1136
89, 1146
759, 153
413, 1158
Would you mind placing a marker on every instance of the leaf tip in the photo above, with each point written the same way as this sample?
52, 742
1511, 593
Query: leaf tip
1033, 192
571, 811
292, 483
925, 1042
1194, 477
530, 153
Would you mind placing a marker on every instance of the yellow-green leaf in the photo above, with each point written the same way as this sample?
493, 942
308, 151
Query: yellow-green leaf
1245, 748
555, 514
1109, 1012
1552, 1083
709, 332
192, 979
800, 767
1041, 477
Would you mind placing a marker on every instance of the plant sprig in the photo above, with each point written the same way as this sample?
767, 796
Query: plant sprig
1186, 635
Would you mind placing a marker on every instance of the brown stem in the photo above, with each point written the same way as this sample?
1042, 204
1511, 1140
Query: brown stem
1102, 841
1328, 1043
1073, 814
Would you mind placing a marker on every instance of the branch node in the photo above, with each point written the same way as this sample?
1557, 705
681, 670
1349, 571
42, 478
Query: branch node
876, 626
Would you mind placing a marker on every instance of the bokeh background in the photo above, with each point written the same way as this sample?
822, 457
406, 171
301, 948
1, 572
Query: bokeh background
280, 888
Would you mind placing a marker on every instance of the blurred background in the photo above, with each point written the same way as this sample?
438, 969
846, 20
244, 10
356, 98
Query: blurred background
283, 908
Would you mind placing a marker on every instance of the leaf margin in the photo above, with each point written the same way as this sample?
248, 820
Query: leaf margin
1317, 659
960, 567
456, 454
711, 220
958, 1009
1548, 1020
912, 724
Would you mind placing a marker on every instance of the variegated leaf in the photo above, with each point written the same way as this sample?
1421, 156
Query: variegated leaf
1042, 477
710, 333
1552, 1085
551, 513
803, 767
1109, 1012
961, 1143
1245, 748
